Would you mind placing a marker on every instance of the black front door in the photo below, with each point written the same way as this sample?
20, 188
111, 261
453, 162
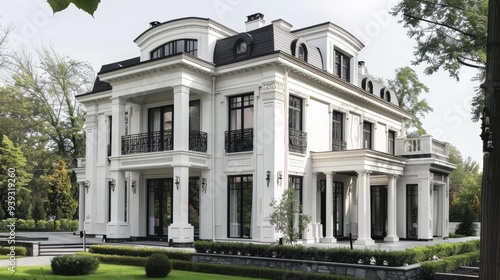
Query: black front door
378, 211
160, 206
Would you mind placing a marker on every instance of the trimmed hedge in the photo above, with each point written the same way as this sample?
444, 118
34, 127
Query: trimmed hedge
74, 265
114, 259
429, 268
41, 225
19, 250
139, 252
341, 255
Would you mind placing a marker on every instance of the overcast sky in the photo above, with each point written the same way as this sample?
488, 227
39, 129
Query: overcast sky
108, 37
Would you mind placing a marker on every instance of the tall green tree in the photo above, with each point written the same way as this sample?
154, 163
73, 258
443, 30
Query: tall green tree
408, 90
13, 173
450, 34
287, 216
60, 202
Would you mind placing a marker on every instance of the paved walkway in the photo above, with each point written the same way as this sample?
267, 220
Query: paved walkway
69, 238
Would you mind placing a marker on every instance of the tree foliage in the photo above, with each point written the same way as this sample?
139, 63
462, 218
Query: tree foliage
60, 202
287, 216
12, 161
408, 90
89, 6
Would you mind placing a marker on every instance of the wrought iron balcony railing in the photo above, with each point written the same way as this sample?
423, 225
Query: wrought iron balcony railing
147, 142
297, 141
338, 145
198, 141
239, 140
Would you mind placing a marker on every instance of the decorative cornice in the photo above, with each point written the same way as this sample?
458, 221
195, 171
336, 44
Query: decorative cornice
90, 121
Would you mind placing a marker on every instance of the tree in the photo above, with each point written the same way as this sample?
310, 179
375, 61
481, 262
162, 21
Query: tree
89, 6
408, 89
60, 202
287, 216
449, 34
12, 170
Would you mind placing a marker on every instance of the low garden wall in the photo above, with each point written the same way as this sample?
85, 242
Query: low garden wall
355, 270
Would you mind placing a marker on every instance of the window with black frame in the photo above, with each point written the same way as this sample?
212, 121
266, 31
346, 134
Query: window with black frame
297, 139
338, 143
391, 138
240, 190
342, 65
239, 137
189, 46
367, 135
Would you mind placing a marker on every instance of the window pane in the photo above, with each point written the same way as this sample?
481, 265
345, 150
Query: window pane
240, 206
194, 115
248, 118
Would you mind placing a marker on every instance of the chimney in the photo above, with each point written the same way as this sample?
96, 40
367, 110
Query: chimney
255, 21
362, 68
282, 24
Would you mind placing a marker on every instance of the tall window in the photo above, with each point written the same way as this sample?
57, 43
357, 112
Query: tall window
240, 135
189, 46
391, 136
342, 65
194, 115
302, 55
110, 134
338, 143
296, 183
240, 206
295, 113
367, 135
161, 125
241, 47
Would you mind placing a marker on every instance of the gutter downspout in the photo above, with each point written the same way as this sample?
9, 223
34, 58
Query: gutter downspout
213, 158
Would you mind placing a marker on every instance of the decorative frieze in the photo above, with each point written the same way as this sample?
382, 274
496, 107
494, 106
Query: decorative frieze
239, 162
90, 121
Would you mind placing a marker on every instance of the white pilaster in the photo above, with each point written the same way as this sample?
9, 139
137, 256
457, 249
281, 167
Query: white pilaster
180, 231
391, 209
364, 218
181, 118
329, 209
81, 206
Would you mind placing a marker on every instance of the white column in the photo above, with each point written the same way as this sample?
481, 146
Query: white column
391, 209
180, 231
117, 228
81, 206
364, 218
329, 209
181, 118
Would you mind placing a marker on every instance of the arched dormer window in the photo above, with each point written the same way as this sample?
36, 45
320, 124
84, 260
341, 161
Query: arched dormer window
299, 49
367, 85
385, 94
189, 46
242, 45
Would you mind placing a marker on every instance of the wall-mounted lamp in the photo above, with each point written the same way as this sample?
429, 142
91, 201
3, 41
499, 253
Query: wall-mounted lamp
177, 181
112, 184
268, 177
134, 186
279, 177
87, 185
204, 185
321, 185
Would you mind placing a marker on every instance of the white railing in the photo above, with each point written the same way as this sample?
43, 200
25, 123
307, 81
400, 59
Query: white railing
423, 145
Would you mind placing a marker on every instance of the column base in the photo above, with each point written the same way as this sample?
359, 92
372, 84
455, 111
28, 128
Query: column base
117, 230
367, 241
181, 233
329, 240
391, 238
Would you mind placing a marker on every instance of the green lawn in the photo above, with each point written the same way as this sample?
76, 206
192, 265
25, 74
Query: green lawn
108, 271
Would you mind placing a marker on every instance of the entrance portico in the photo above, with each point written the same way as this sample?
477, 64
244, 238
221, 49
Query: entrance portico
358, 169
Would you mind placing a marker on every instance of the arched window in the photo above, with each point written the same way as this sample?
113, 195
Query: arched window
241, 47
302, 52
385, 94
189, 46
367, 85
299, 49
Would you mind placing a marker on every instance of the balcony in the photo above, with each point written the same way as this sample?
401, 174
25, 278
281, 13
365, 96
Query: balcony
147, 142
338, 145
297, 141
158, 141
424, 145
239, 140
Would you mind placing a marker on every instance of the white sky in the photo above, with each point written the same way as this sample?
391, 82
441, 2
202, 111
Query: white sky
108, 37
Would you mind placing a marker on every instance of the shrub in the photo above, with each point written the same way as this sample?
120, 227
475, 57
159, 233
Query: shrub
121, 260
429, 268
157, 266
19, 250
467, 227
139, 252
74, 265
73, 225
41, 224
64, 225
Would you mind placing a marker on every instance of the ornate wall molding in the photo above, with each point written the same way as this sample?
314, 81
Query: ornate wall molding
239, 162
90, 121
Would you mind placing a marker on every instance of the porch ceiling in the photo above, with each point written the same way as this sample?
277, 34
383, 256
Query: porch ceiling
348, 162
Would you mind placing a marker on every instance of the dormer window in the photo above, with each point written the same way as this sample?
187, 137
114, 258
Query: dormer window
189, 46
302, 53
299, 49
385, 94
367, 85
241, 47
342, 65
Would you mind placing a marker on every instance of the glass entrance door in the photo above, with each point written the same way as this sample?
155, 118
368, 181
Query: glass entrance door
194, 205
412, 211
160, 206
338, 208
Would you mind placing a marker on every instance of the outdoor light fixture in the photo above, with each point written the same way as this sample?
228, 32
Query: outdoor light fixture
177, 181
112, 184
87, 185
133, 186
279, 177
204, 185
268, 177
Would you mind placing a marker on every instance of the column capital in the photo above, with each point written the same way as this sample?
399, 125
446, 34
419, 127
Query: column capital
181, 89
363, 172
117, 100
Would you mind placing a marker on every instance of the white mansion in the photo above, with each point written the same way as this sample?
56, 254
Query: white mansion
193, 138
